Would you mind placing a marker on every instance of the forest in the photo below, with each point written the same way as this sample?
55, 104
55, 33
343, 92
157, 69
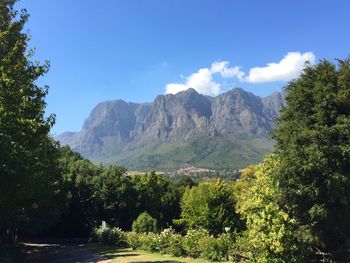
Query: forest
294, 206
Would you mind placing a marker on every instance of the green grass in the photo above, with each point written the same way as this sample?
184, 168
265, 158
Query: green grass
129, 256
217, 153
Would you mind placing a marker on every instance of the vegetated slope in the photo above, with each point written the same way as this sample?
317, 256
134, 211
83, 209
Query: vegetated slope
224, 132
216, 153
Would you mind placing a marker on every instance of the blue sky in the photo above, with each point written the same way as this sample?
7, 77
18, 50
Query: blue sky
137, 49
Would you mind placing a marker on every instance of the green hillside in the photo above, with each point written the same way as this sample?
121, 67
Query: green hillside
217, 153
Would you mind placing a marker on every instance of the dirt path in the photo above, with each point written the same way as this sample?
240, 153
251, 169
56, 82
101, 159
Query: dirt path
59, 252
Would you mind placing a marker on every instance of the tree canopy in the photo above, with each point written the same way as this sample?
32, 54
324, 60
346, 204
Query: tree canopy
29, 171
313, 142
210, 205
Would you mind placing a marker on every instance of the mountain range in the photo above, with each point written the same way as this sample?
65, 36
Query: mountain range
228, 131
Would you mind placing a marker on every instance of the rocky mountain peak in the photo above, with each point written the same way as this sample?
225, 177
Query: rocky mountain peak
118, 126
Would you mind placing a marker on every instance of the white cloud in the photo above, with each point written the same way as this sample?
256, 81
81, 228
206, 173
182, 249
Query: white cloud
202, 81
225, 71
287, 69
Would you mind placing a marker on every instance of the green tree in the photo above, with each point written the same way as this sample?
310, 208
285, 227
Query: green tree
29, 175
210, 205
269, 235
144, 223
185, 181
80, 214
158, 196
115, 196
313, 142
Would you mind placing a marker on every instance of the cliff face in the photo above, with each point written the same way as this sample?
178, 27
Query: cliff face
114, 127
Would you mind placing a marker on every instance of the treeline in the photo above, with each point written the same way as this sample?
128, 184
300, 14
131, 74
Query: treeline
95, 193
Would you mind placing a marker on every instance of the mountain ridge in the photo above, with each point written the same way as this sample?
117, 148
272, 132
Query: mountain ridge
118, 128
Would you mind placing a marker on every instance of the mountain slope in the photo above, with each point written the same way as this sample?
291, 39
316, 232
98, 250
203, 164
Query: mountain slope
227, 131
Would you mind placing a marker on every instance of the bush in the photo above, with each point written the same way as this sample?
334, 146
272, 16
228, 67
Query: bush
227, 244
150, 242
210, 249
171, 243
111, 236
191, 242
197, 243
145, 241
217, 249
134, 240
144, 224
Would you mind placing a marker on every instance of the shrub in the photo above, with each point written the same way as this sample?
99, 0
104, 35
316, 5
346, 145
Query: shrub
144, 224
197, 243
145, 241
191, 242
171, 243
175, 247
210, 249
134, 240
217, 249
112, 236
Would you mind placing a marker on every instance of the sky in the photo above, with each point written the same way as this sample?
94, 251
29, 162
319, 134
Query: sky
137, 49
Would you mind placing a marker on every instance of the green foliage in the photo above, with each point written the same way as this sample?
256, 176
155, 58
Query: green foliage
30, 183
269, 236
166, 242
115, 195
144, 224
215, 249
80, 214
196, 243
134, 240
185, 181
170, 243
96, 193
191, 241
313, 141
216, 153
210, 205
150, 242
111, 236
157, 196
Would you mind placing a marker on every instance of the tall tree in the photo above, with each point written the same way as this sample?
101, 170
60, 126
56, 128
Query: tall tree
209, 205
313, 142
158, 196
29, 174
269, 234
80, 213
115, 196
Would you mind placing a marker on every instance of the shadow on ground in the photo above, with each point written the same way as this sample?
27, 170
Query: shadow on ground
58, 251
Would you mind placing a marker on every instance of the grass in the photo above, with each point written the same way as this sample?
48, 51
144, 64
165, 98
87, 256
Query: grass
130, 256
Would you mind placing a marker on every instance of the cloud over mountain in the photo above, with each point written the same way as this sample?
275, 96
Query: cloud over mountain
203, 82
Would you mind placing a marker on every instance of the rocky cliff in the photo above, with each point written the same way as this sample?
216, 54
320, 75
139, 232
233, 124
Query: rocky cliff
115, 129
